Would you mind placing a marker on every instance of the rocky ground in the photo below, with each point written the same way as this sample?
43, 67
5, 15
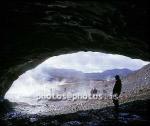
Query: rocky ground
134, 113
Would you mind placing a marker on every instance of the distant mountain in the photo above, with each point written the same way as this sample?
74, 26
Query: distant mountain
138, 79
108, 74
70, 74
131, 80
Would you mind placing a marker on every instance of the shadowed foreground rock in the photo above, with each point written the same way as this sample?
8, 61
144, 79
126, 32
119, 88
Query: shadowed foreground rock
134, 113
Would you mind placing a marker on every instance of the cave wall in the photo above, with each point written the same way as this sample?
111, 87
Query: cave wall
35, 30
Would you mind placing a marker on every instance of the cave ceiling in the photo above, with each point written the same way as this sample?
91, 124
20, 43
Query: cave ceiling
34, 31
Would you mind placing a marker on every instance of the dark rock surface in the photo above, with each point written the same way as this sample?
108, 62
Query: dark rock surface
5, 106
136, 113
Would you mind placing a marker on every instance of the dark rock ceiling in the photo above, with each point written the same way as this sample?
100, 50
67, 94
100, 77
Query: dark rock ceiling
34, 31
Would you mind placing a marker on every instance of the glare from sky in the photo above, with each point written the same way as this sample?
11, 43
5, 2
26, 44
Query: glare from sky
89, 62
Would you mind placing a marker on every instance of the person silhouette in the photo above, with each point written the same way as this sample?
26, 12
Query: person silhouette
116, 92
93, 92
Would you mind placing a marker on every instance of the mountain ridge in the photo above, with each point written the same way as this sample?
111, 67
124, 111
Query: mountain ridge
73, 74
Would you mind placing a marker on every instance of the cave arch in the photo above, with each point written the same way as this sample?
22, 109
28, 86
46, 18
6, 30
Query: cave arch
30, 36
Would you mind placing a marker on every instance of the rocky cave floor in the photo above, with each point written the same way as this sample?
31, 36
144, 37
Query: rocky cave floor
136, 113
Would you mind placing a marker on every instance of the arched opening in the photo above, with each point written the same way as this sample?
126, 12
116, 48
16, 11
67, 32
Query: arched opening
61, 83
34, 30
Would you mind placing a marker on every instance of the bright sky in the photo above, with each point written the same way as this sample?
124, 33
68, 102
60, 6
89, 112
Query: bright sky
89, 62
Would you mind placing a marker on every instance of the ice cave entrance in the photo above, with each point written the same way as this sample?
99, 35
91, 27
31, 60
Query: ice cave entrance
71, 73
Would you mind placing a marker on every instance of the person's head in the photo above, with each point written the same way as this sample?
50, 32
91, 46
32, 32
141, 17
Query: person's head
117, 77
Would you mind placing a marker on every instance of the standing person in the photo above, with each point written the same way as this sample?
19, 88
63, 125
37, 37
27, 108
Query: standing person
116, 92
